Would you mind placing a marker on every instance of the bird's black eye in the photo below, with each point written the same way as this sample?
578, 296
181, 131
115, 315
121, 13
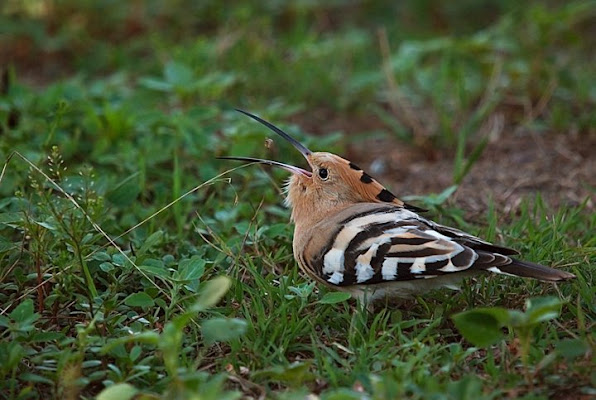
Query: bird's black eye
323, 173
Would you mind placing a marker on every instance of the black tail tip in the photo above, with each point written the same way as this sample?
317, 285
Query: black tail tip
528, 269
565, 276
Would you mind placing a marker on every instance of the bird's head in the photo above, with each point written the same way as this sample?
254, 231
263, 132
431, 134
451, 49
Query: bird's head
331, 184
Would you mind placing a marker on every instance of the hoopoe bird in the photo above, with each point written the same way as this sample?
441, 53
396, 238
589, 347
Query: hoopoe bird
354, 235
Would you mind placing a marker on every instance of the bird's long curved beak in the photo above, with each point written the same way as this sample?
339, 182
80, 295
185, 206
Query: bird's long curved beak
299, 146
287, 167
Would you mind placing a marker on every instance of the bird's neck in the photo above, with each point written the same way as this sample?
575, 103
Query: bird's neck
306, 218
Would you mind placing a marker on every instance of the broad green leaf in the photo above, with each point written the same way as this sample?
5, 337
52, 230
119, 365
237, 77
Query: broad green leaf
222, 329
135, 352
155, 84
15, 354
6, 245
148, 337
140, 299
10, 217
23, 314
171, 337
119, 391
178, 74
31, 377
482, 326
154, 239
120, 259
91, 363
303, 290
155, 269
541, 309
101, 256
171, 340
22, 311
276, 230
468, 388
212, 292
335, 297
517, 318
125, 192
191, 269
46, 225
10, 355
47, 336
106, 266
572, 348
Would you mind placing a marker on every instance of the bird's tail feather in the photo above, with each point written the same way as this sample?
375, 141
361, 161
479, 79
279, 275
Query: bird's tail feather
528, 269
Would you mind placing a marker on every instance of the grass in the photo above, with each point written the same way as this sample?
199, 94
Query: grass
134, 263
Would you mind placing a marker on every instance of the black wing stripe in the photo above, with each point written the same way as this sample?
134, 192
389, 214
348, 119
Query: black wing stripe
436, 266
400, 233
404, 270
422, 252
353, 250
411, 241
377, 260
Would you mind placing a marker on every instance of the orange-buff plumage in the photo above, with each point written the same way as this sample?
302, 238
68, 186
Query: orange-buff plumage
354, 235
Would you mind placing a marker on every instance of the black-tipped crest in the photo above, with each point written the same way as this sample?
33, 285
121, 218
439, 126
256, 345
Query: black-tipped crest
301, 148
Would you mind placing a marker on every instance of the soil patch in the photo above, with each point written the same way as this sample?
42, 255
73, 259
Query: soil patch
560, 166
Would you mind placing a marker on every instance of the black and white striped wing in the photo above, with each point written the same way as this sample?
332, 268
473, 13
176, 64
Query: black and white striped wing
386, 243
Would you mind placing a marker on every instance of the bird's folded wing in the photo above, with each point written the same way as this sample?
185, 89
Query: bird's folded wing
384, 244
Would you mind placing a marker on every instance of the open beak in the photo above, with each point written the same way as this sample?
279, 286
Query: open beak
299, 146
287, 167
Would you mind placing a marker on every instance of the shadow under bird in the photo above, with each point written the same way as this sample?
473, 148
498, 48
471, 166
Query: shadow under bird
354, 235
